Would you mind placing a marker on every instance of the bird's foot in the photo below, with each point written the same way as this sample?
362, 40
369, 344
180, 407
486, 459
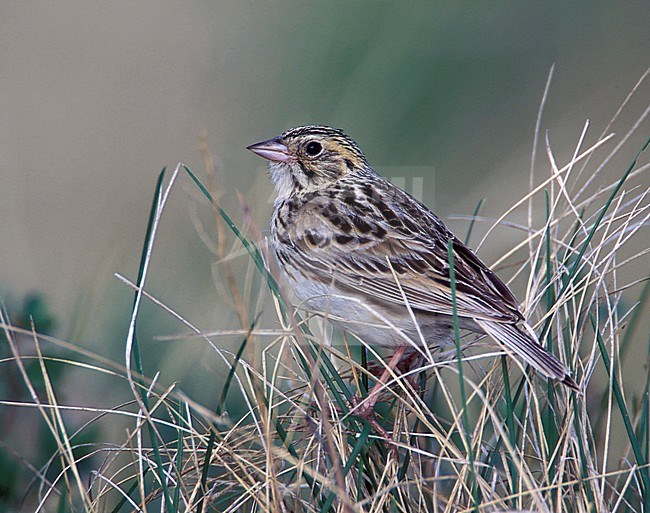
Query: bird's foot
365, 410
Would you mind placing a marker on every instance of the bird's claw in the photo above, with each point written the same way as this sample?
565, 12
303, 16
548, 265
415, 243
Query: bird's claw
366, 411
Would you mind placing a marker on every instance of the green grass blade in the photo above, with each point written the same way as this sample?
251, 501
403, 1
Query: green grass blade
148, 241
634, 442
128, 493
463, 396
550, 427
585, 484
625, 343
510, 424
644, 423
358, 448
516, 414
179, 460
473, 221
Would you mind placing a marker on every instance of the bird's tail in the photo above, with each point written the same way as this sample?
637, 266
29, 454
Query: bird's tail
522, 342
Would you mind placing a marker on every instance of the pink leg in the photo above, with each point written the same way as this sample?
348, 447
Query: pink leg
366, 408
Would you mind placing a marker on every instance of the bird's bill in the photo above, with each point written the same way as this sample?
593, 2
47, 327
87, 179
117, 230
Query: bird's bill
272, 150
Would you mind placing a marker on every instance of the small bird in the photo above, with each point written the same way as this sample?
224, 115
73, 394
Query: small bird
368, 256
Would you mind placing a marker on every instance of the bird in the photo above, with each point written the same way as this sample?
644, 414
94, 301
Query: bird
373, 259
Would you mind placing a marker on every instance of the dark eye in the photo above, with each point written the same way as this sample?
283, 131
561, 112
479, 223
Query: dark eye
313, 148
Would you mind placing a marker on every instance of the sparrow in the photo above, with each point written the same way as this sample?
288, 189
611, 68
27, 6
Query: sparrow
374, 260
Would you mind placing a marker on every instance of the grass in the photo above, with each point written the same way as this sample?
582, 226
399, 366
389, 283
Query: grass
481, 434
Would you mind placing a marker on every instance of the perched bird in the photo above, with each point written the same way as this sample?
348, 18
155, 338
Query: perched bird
373, 259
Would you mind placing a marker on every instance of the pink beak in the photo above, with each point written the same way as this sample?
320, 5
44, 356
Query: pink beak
272, 150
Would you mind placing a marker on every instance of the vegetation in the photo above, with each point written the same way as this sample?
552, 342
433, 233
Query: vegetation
478, 433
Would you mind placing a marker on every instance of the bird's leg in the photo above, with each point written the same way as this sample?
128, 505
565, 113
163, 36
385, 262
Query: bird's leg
407, 364
404, 366
366, 408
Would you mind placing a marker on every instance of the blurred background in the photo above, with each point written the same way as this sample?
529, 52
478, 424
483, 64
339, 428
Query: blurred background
96, 98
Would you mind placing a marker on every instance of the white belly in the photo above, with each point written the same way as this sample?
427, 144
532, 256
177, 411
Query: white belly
386, 326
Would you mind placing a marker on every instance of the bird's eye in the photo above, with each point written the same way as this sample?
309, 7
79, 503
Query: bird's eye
313, 148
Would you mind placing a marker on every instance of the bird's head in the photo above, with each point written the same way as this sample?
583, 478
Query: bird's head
309, 157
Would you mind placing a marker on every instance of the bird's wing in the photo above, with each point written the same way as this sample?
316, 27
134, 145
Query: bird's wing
399, 249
